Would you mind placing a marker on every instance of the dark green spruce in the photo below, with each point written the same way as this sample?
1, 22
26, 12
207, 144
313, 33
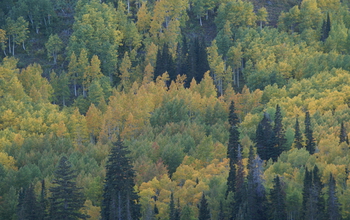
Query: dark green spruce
66, 198
313, 201
298, 138
232, 149
333, 205
343, 136
204, 212
310, 142
256, 196
119, 198
278, 201
264, 138
280, 133
28, 207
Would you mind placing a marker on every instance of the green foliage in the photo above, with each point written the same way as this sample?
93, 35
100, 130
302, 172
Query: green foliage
119, 198
66, 200
171, 111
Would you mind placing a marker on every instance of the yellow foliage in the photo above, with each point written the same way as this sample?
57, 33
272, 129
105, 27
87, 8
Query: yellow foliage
7, 161
91, 210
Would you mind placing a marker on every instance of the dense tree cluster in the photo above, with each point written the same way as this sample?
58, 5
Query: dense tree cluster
174, 109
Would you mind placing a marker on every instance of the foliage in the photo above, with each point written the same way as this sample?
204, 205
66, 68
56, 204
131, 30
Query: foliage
78, 75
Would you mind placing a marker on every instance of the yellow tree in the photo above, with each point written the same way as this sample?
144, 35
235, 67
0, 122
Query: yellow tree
125, 71
36, 86
92, 72
217, 66
143, 18
78, 129
94, 122
73, 72
262, 16
3, 39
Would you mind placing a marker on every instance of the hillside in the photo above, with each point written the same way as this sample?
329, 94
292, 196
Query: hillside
174, 109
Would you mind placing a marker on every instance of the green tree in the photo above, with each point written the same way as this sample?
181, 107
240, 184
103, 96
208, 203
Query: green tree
119, 198
310, 142
256, 195
204, 211
279, 132
66, 198
233, 148
239, 13
313, 202
17, 32
28, 207
278, 201
53, 46
297, 135
333, 206
343, 136
265, 138
262, 16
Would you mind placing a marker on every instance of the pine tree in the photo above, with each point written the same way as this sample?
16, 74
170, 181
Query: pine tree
164, 63
119, 198
172, 209
256, 196
204, 212
318, 194
278, 201
28, 208
43, 202
239, 198
333, 206
297, 136
279, 133
326, 28
221, 215
265, 138
306, 191
66, 199
233, 146
310, 142
313, 202
343, 137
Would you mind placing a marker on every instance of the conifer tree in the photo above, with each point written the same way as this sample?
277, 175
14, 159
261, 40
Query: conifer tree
306, 191
279, 133
204, 212
265, 138
297, 136
28, 207
313, 206
239, 199
278, 201
43, 202
119, 198
164, 63
66, 199
326, 28
172, 209
317, 193
256, 196
343, 137
310, 142
333, 206
221, 215
233, 146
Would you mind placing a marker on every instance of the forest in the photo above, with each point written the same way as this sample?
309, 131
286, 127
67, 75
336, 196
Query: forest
175, 109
